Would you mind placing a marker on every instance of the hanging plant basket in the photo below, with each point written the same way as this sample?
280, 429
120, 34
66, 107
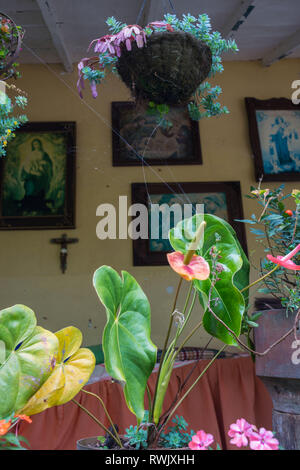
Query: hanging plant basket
168, 69
10, 45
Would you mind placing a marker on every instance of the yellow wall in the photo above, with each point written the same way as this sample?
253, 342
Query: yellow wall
29, 264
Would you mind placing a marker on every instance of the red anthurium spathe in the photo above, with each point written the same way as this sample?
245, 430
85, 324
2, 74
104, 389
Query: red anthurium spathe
197, 268
285, 261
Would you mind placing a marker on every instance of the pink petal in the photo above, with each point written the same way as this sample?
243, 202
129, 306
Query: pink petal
94, 89
198, 268
128, 44
139, 41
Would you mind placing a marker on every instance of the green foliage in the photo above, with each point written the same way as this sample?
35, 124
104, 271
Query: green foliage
220, 293
137, 437
160, 111
8, 122
114, 26
277, 232
204, 103
129, 353
177, 435
12, 442
28, 352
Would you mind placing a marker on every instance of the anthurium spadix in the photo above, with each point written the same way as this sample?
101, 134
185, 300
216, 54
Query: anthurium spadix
27, 359
129, 353
73, 368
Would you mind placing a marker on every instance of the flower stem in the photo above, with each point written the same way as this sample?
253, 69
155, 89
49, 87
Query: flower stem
97, 420
187, 338
260, 279
195, 383
106, 413
165, 345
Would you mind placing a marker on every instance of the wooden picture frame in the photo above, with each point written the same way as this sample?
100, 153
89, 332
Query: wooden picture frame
38, 177
212, 194
155, 145
274, 129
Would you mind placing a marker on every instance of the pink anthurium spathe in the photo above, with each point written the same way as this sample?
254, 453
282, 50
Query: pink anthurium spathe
285, 261
197, 268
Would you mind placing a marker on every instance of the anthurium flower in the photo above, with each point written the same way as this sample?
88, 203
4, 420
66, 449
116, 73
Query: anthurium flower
285, 261
197, 268
201, 441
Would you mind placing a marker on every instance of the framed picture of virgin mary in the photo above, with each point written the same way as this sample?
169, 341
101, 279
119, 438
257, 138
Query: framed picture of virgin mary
37, 179
274, 127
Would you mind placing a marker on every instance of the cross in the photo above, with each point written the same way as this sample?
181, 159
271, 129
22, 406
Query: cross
63, 241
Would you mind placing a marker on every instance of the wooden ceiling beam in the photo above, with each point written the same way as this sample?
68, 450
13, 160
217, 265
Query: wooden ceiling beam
239, 16
48, 12
283, 49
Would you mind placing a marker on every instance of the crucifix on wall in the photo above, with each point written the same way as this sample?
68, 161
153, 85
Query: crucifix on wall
63, 241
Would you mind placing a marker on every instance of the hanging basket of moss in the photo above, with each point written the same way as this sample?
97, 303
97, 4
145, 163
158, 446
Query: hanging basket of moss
168, 69
10, 45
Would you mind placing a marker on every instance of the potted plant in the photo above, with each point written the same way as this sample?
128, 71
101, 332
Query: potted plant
277, 229
11, 37
215, 270
163, 64
37, 367
10, 43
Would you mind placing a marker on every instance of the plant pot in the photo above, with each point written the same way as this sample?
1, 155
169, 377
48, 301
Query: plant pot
280, 372
92, 443
168, 69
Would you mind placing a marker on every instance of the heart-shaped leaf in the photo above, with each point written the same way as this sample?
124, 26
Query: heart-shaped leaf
226, 300
128, 350
29, 352
72, 370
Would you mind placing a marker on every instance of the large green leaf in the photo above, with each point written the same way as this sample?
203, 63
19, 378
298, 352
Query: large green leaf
72, 370
129, 353
227, 302
29, 352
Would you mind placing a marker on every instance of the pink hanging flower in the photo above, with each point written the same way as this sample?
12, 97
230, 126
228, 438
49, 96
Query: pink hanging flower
197, 268
87, 61
130, 33
160, 24
285, 261
263, 440
105, 44
201, 441
240, 432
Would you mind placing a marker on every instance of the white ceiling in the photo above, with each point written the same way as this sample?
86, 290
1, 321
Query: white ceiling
77, 22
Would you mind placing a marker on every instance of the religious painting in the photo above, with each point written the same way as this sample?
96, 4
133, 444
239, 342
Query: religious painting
222, 199
140, 138
274, 127
37, 184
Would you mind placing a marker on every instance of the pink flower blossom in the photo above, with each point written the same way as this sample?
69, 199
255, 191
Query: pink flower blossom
285, 261
240, 432
105, 44
160, 24
201, 441
263, 440
130, 33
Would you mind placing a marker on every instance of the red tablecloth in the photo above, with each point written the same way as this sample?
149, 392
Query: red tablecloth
229, 390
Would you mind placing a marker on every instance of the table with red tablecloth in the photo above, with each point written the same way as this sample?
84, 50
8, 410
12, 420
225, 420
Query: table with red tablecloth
227, 391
